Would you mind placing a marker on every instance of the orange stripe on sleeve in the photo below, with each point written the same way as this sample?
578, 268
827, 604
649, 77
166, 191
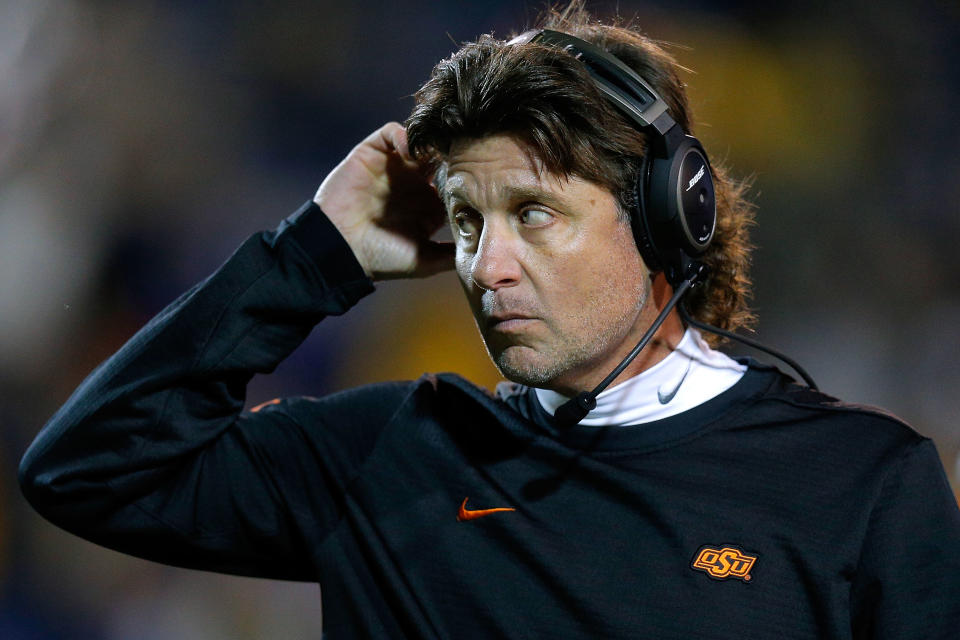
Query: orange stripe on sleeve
265, 404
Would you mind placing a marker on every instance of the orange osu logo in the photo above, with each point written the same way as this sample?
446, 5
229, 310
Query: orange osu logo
728, 562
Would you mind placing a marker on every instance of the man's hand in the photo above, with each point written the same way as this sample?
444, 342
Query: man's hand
381, 200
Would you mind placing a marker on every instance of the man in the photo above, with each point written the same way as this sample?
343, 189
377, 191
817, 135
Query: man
699, 498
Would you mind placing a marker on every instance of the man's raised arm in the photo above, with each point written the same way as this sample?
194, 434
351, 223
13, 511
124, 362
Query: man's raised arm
152, 454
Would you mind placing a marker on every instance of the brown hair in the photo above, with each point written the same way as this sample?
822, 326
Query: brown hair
545, 99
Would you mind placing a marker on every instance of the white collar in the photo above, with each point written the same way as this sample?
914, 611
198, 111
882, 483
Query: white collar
692, 374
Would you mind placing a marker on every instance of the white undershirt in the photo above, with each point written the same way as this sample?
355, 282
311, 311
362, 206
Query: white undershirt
692, 374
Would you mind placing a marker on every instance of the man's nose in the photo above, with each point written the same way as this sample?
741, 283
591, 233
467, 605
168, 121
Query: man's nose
496, 263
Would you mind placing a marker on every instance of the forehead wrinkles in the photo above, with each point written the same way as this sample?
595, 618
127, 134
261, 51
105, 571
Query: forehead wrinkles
505, 173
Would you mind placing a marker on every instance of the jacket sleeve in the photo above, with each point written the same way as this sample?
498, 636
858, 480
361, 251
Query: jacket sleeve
907, 585
152, 454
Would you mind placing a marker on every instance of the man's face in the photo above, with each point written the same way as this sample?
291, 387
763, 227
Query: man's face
551, 271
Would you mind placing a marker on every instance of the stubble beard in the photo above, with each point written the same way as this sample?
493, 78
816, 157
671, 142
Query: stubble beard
567, 353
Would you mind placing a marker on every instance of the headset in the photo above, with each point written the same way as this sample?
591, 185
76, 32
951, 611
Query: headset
676, 216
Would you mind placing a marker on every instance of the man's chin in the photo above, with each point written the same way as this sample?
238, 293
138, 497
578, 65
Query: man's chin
525, 365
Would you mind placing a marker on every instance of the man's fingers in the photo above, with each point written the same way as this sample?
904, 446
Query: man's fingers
391, 138
400, 143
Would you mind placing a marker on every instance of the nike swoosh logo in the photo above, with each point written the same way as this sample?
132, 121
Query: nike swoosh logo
473, 514
665, 398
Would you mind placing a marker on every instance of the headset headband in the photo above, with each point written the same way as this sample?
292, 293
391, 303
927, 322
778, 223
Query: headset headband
617, 81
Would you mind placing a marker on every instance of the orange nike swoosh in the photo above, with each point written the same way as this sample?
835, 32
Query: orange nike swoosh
473, 514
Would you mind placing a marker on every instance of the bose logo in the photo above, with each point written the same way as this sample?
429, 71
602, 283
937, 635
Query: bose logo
724, 563
695, 179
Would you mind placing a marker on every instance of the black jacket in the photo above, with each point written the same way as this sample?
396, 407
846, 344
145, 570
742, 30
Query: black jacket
770, 511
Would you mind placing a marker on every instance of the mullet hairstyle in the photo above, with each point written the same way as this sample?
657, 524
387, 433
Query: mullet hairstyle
545, 99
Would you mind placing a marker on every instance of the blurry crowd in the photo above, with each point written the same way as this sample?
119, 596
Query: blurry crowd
141, 142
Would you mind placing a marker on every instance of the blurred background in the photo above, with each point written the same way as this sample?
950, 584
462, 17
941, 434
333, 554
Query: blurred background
141, 142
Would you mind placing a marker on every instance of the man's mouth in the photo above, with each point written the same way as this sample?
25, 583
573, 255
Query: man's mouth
508, 321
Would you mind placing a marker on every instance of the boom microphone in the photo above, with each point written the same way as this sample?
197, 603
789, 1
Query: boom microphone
576, 408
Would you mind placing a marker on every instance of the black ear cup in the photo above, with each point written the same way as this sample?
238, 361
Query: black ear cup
677, 211
681, 207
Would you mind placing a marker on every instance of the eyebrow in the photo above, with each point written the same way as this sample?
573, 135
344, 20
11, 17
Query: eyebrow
512, 194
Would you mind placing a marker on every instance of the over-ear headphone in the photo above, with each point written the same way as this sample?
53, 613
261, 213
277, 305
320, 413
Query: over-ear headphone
677, 213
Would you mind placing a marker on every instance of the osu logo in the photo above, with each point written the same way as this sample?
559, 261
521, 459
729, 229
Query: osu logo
728, 562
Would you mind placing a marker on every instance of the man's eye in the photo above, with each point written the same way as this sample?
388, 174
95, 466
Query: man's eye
467, 223
535, 217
